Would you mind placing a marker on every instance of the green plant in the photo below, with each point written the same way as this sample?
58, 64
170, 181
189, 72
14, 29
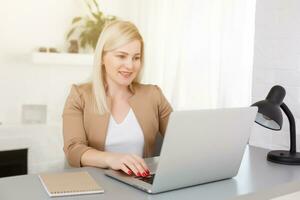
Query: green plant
89, 26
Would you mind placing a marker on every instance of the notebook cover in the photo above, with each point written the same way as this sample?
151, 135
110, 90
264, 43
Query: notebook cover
69, 183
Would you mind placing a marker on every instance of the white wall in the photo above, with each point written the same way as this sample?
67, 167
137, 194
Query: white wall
25, 26
277, 61
28, 24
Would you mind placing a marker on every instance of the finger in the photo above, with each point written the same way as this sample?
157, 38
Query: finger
125, 169
132, 167
139, 166
143, 163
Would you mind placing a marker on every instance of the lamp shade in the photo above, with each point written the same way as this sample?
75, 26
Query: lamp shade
269, 113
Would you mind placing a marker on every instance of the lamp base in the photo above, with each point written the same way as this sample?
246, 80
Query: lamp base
284, 157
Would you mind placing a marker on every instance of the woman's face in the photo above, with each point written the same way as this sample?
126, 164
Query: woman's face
123, 64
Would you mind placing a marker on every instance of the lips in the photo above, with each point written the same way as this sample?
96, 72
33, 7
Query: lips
125, 74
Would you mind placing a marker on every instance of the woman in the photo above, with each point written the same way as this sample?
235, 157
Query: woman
112, 121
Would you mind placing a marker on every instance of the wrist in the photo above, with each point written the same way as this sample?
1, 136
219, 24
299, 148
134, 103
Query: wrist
107, 159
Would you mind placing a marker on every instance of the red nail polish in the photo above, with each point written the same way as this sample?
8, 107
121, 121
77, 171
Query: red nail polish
147, 171
139, 174
129, 172
144, 174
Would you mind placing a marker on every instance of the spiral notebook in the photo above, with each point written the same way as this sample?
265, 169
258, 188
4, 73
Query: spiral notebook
69, 183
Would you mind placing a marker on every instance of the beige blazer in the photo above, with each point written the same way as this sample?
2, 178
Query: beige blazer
84, 129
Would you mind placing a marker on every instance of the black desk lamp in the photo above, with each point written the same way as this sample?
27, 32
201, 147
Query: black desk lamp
269, 115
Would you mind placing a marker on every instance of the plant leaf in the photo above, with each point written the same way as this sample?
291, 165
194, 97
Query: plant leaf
71, 32
90, 24
89, 6
96, 16
110, 17
83, 43
82, 35
76, 19
97, 5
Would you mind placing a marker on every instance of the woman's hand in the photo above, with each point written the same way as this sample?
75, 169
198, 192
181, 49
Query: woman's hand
128, 163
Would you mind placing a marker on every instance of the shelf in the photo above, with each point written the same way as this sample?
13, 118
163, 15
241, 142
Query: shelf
62, 58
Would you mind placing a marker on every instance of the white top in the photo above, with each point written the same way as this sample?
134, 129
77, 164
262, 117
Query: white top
126, 137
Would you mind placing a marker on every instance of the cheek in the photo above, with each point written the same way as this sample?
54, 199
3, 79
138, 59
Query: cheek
110, 66
137, 66
111, 71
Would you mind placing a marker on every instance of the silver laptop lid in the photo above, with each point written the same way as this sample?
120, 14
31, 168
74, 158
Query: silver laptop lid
202, 146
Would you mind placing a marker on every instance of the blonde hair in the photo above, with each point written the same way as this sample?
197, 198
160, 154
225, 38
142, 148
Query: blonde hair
115, 34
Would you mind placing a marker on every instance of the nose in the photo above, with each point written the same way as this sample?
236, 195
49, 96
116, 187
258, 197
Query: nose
128, 63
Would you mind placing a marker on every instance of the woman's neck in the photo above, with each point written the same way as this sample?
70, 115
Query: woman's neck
117, 91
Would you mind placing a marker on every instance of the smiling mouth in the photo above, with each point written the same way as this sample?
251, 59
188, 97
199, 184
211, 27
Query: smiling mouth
125, 74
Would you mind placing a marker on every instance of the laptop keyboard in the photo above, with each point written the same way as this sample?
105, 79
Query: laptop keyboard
149, 179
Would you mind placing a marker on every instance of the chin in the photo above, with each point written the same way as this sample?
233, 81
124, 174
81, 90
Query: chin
125, 83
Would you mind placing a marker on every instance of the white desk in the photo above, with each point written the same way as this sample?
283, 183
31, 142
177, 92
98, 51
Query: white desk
255, 175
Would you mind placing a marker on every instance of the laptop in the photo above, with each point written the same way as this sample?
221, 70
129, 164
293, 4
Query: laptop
200, 146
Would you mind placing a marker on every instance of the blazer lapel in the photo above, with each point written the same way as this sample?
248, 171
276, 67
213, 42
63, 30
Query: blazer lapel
100, 128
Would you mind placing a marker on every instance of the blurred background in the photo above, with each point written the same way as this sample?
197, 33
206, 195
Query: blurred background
203, 54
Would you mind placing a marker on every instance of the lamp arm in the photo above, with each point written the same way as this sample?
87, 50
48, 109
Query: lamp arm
291, 119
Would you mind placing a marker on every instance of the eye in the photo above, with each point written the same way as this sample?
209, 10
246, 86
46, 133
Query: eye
137, 58
121, 56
